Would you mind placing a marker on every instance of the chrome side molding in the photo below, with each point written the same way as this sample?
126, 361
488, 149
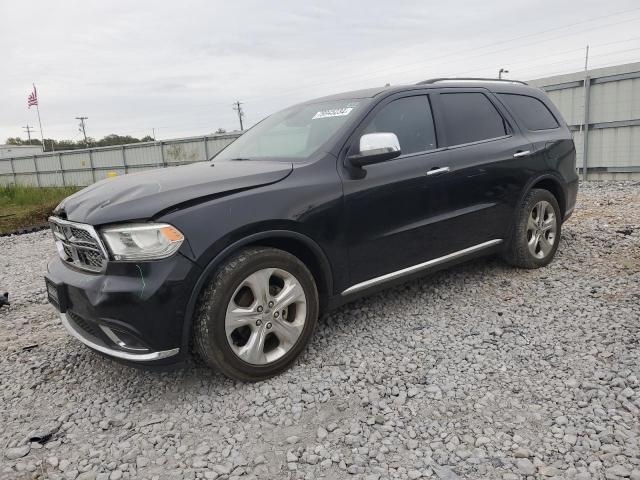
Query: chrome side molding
419, 267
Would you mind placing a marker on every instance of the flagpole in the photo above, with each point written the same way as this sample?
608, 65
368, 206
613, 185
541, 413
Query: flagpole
39, 121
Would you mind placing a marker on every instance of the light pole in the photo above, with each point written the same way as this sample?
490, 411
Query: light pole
500, 72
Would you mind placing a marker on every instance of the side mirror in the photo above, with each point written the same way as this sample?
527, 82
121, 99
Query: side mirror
376, 148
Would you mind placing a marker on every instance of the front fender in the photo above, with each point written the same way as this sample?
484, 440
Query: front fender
217, 260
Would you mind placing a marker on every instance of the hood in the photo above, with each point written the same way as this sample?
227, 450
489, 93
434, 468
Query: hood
142, 195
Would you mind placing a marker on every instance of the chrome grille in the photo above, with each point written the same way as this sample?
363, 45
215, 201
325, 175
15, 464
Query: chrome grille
79, 244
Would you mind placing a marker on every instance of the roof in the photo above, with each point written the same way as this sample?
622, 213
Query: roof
488, 83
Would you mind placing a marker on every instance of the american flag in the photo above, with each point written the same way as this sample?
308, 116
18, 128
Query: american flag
32, 99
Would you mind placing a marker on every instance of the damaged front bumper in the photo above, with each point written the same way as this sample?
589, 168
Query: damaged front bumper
133, 311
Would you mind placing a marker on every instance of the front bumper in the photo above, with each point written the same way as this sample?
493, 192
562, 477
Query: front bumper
133, 311
97, 344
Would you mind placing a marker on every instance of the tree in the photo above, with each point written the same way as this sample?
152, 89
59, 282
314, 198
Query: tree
114, 139
220, 130
106, 141
19, 141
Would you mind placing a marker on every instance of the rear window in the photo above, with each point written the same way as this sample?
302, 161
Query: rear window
471, 117
530, 111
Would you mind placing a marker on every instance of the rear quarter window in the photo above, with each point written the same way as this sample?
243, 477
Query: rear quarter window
470, 117
533, 113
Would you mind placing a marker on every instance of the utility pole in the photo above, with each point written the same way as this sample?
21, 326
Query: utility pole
238, 108
28, 129
500, 72
82, 128
587, 101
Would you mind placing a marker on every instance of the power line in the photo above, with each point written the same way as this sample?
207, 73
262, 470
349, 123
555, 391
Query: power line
528, 60
577, 69
420, 65
261, 114
541, 66
241, 114
431, 62
417, 65
575, 59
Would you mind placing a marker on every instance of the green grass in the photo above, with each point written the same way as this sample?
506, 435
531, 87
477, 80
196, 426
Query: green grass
26, 206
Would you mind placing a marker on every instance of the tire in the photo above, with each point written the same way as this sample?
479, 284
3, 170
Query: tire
522, 249
243, 327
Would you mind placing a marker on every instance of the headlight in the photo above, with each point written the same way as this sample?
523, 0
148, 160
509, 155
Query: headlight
142, 241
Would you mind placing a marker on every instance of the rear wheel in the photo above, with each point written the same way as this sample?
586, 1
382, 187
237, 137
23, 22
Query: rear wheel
256, 315
536, 233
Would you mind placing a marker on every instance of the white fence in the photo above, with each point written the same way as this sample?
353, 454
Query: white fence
83, 167
602, 108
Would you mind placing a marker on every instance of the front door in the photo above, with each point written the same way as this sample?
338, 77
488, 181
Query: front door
392, 214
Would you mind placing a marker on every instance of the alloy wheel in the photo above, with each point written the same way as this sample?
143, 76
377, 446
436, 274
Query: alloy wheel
542, 227
265, 316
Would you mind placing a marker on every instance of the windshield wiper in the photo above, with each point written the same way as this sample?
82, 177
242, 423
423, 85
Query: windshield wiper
240, 159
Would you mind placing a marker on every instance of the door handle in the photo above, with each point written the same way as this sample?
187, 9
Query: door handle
522, 154
438, 171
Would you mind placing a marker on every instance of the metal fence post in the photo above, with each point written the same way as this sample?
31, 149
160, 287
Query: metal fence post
124, 160
585, 131
13, 171
64, 182
164, 162
35, 167
206, 149
93, 172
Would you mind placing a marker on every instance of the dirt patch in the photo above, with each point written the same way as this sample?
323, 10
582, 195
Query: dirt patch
22, 217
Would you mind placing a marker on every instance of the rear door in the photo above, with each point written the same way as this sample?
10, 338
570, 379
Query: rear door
483, 141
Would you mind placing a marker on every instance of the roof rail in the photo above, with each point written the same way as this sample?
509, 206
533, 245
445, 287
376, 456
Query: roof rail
470, 79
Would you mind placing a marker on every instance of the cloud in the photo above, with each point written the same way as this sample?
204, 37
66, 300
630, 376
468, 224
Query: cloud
134, 66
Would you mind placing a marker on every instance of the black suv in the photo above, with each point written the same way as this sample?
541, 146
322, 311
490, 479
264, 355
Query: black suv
234, 259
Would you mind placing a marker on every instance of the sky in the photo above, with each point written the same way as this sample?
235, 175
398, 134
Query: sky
177, 67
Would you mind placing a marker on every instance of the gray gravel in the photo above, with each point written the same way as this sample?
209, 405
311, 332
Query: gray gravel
482, 371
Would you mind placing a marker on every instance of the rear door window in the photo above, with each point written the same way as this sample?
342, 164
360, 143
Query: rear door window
471, 117
410, 119
530, 111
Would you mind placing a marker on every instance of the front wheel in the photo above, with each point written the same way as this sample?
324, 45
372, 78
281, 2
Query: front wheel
256, 315
536, 232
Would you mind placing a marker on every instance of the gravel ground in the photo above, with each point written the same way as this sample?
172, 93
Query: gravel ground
482, 371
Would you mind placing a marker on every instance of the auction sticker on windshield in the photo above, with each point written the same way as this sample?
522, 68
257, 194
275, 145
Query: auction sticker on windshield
333, 112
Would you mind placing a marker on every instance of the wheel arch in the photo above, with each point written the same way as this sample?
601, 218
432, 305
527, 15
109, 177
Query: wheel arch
297, 244
553, 185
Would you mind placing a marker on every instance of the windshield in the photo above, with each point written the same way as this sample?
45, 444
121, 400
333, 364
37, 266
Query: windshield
293, 134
